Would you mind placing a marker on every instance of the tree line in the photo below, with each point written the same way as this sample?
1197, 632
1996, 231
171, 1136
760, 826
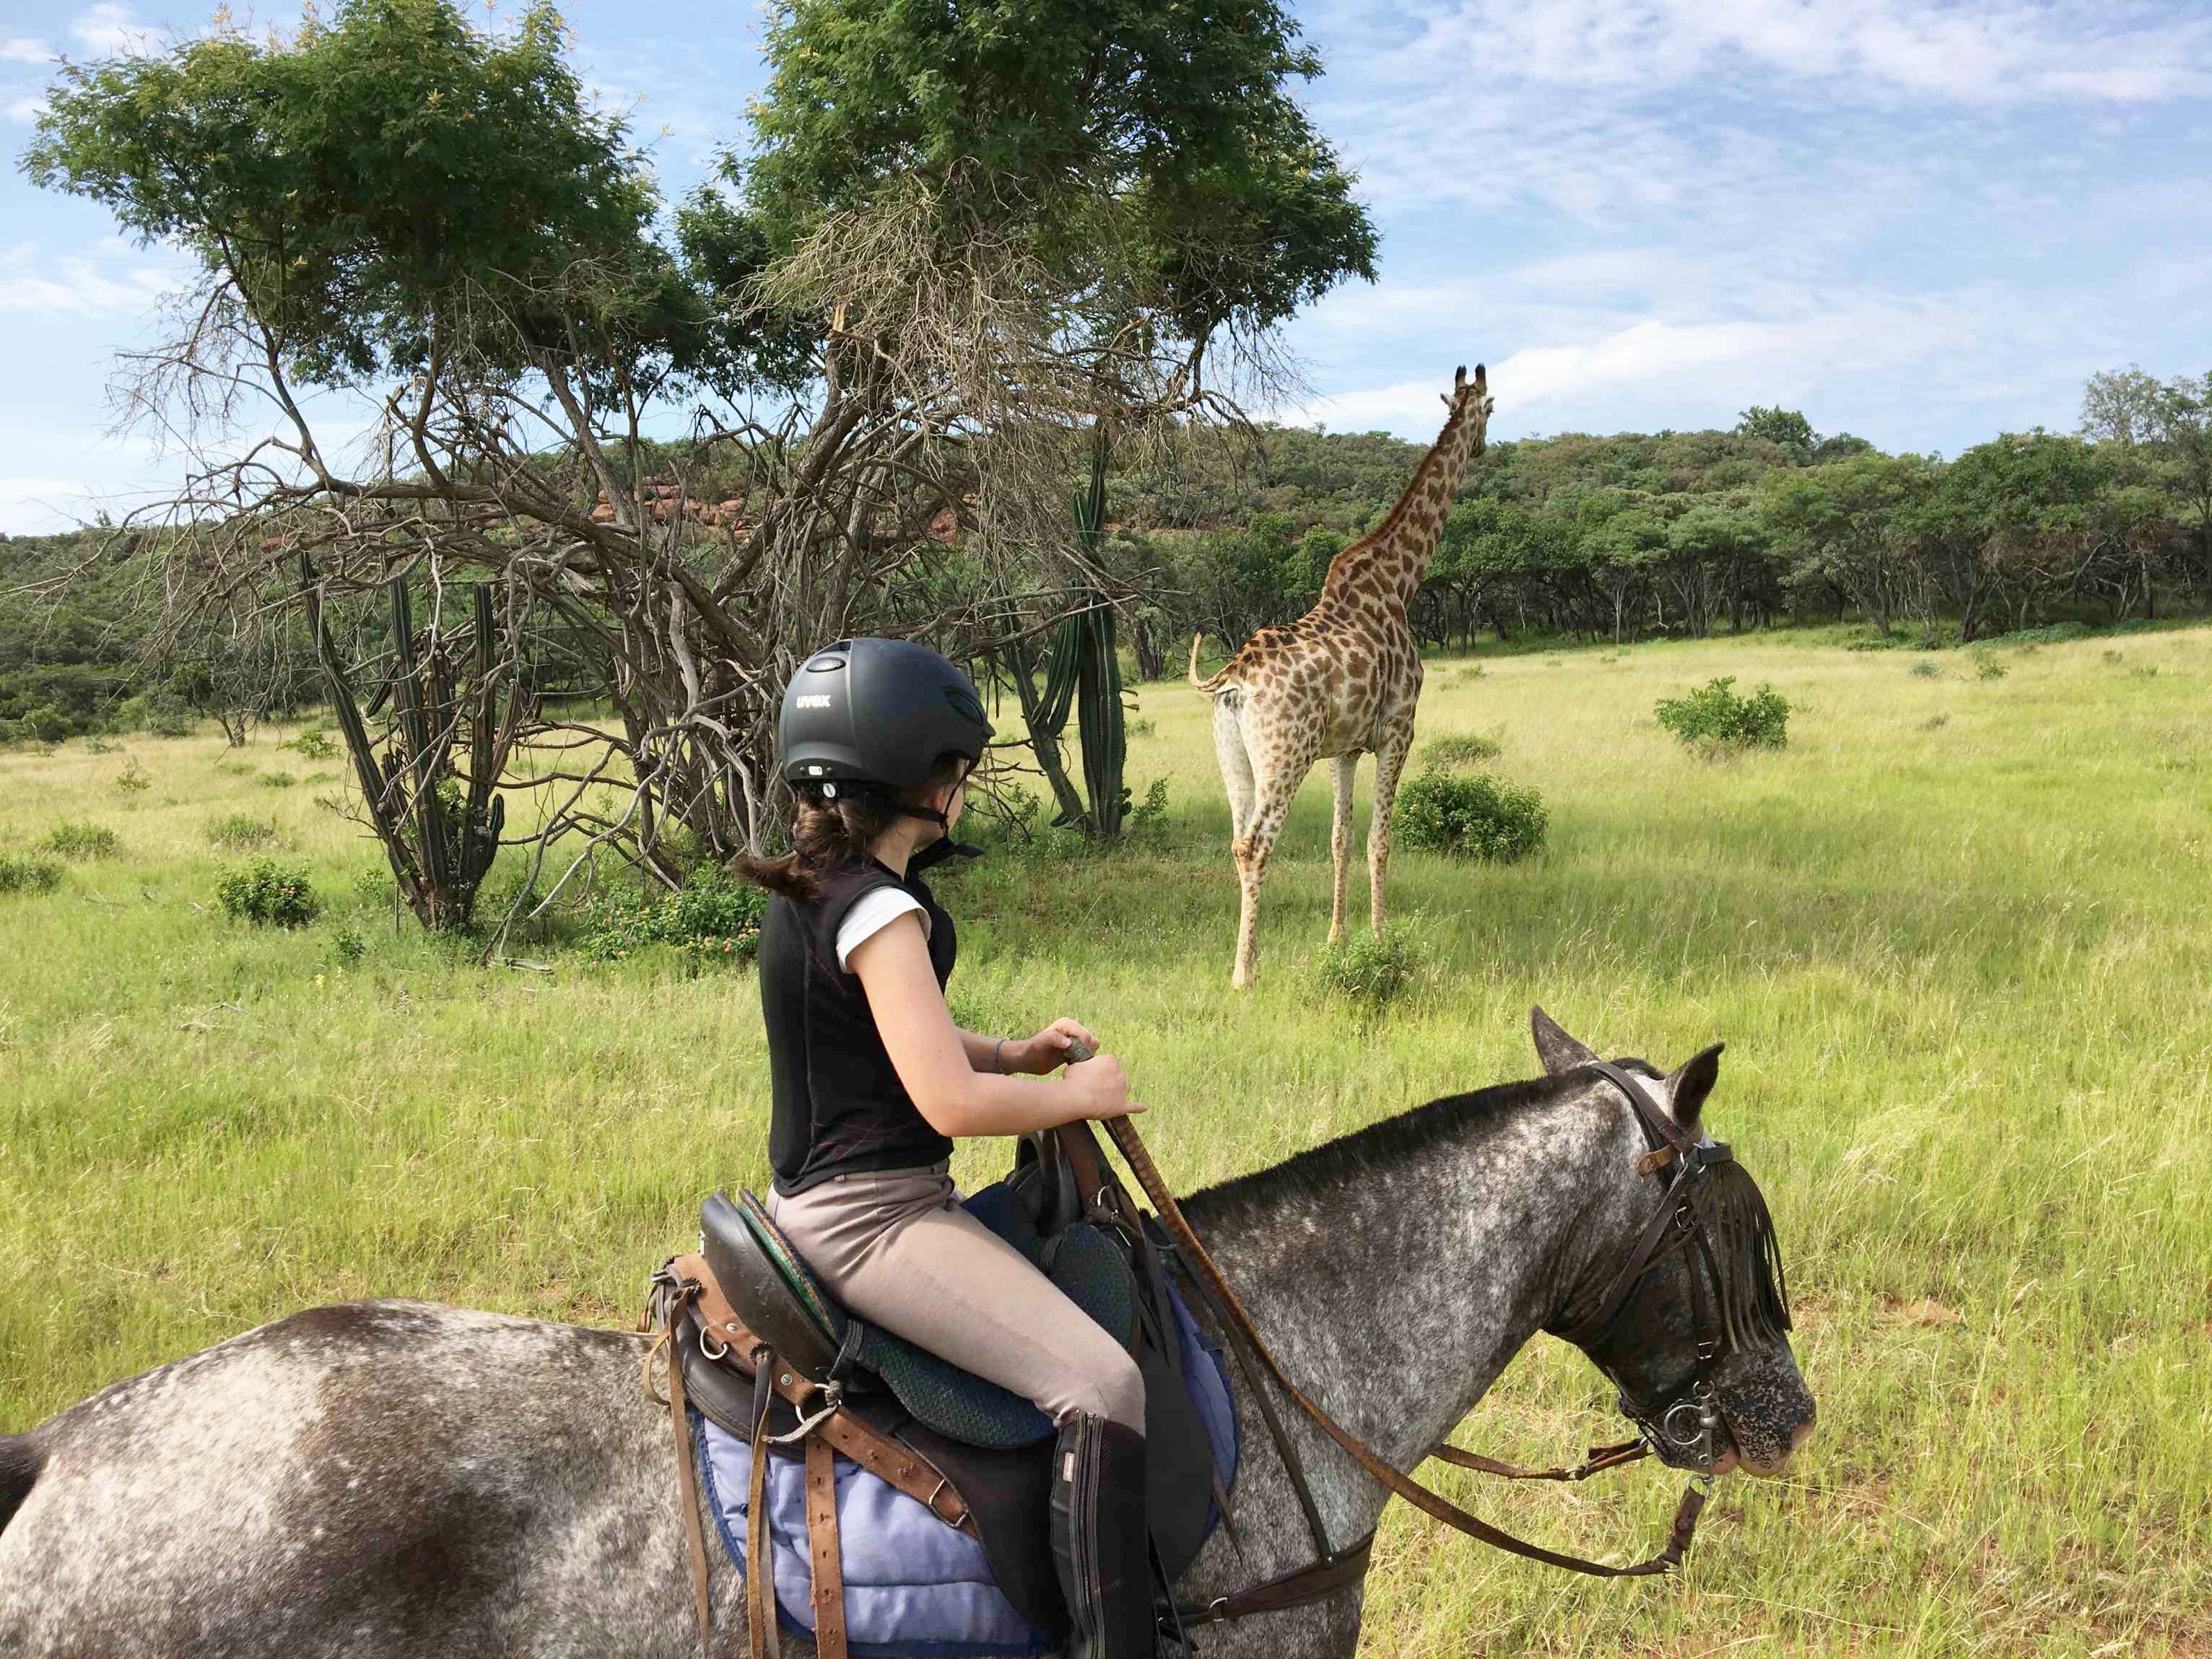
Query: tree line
1223, 532
1682, 533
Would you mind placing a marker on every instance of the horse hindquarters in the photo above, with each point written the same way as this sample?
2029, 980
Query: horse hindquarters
389, 1480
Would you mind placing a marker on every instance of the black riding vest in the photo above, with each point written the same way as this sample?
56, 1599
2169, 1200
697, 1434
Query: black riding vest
839, 1105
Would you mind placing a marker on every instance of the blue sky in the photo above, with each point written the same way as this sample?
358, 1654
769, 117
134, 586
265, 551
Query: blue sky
1925, 224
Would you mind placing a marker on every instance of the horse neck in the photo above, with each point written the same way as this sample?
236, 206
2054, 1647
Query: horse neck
1394, 1290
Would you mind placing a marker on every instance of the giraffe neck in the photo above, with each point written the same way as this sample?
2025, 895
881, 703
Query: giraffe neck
1393, 559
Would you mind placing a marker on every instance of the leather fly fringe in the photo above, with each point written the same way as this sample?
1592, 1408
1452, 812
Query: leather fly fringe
1754, 1296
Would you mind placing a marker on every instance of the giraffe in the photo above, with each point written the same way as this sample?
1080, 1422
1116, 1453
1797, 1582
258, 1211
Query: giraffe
1341, 681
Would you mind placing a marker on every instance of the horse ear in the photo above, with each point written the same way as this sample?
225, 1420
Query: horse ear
1558, 1051
1692, 1082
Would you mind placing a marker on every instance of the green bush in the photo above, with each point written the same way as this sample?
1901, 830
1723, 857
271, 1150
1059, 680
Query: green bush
1714, 716
132, 780
278, 781
269, 896
716, 918
241, 832
348, 946
22, 873
81, 841
1986, 666
315, 743
1460, 749
1478, 816
1150, 819
1924, 670
1369, 970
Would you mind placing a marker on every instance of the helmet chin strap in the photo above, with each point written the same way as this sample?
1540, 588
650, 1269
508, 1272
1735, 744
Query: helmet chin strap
942, 848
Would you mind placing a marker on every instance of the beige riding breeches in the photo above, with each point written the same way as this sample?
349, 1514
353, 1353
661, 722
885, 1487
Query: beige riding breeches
895, 1248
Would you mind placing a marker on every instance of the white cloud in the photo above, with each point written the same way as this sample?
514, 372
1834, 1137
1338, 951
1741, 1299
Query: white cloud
1977, 51
17, 50
78, 286
26, 110
110, 31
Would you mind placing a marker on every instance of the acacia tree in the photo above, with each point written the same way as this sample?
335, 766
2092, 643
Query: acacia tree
435, 336
1088, 219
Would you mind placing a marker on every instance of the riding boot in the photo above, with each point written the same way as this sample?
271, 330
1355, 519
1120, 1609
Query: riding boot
1100, 1543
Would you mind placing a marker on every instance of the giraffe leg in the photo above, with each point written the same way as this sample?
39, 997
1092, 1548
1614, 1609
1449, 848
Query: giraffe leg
1346, 772
1235, 765
1252, 850
1389, 760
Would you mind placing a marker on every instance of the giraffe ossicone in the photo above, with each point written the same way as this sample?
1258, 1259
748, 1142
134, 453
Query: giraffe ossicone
1343, 680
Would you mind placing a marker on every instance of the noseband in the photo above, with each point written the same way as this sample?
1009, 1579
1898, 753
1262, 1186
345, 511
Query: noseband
1711, 1210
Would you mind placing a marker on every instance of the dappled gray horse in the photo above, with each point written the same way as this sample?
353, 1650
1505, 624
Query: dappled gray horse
398, 1479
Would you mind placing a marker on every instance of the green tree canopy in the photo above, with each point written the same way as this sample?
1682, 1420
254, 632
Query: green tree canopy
356, 185
1149, 146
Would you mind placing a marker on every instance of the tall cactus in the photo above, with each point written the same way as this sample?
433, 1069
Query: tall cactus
440, 829
1084, 673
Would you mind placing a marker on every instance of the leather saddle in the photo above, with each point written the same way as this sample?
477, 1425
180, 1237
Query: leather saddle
755, 1330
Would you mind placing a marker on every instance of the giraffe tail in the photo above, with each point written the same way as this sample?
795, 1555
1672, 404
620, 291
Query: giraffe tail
1213, 684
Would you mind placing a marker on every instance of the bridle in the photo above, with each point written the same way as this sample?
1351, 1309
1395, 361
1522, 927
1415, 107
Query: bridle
1710, 1210
1720, 1220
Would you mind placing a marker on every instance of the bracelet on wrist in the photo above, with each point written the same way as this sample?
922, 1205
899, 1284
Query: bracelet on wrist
999, 1057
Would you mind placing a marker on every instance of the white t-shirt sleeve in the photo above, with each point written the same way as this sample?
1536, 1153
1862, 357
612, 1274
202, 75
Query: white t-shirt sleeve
870, 916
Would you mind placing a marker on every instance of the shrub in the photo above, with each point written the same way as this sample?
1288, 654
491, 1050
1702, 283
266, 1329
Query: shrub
1925, 670
241, 832
1934, 722
236, 768
1460, 749
1986, 666
132, 780
2115, 658
1713, 715
348, 946
376, 887
96, 744
81, 841
22, 873
315, 743
1370, 970
716, 918
278, 781
1478, 816
269, 896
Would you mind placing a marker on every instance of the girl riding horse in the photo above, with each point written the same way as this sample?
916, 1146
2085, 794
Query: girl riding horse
872, 1081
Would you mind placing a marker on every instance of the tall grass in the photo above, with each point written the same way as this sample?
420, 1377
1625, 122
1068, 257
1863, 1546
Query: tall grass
1954, 935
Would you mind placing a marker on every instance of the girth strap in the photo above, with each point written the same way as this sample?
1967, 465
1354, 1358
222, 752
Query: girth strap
687, 1484
1391, 1479
764, 1640
826, 1548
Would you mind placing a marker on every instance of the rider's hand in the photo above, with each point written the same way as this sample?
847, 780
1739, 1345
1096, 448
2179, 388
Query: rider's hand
1102, 1088
1044, 1052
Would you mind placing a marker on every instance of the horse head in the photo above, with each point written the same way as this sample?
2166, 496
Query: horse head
1679, 1298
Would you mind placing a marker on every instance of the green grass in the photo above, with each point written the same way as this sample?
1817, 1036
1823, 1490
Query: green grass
1954, 935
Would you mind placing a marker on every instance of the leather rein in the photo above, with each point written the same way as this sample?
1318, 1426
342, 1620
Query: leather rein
1686, 1428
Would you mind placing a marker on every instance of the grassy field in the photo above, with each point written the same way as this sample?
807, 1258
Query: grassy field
1956, 937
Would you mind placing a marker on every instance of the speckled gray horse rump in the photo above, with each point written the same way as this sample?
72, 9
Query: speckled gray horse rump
399, 1481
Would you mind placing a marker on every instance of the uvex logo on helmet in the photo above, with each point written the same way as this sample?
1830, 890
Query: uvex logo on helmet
879, 711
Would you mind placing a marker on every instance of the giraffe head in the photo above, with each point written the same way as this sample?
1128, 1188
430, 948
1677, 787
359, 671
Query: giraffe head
1470, 404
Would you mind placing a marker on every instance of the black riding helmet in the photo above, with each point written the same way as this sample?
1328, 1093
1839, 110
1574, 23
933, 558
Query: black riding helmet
878, 711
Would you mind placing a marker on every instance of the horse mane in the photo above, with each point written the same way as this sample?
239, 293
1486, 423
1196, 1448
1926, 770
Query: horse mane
1386, 1144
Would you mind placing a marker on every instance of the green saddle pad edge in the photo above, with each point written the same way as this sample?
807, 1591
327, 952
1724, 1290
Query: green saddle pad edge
1086, 1266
